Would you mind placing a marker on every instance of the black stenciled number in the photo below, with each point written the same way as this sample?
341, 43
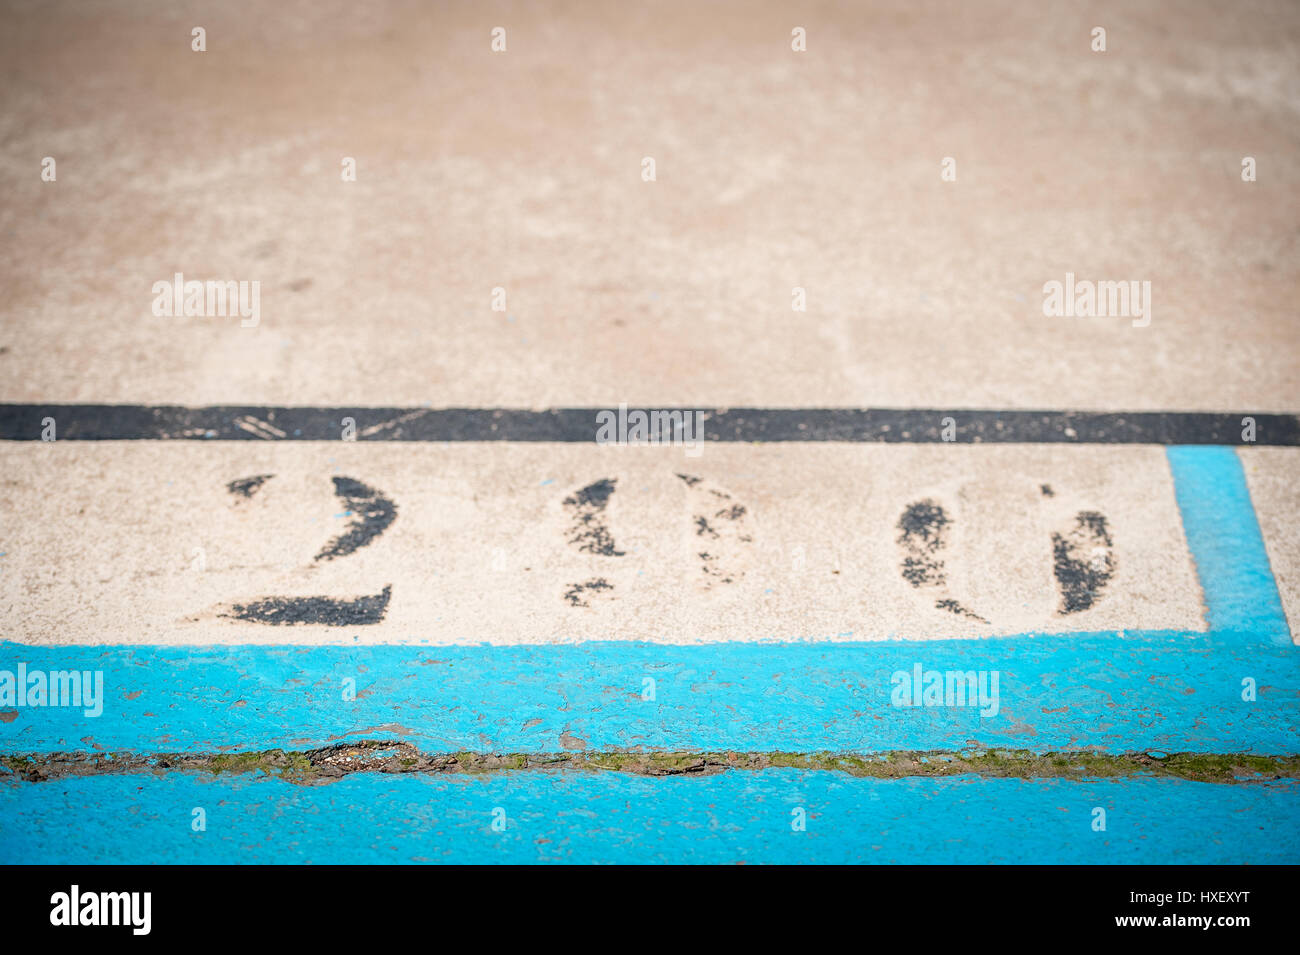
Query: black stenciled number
718, 524
1083, 562
588, 533
923, 540
372, 513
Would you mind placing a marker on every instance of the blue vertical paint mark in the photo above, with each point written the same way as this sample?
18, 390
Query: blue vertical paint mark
1223, 535
613, 818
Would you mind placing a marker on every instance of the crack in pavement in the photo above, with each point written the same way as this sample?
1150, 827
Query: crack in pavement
377, 756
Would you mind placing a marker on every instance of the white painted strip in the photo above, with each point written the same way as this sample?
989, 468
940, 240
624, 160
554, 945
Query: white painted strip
143, 542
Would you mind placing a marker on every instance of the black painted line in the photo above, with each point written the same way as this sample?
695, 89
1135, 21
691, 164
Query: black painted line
27, 422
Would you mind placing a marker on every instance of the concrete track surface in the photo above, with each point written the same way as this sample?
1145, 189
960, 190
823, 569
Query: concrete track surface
345, 558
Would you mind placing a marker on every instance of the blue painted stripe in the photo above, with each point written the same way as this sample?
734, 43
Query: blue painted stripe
1114, 692
1223, 535
1170, 691
613, 818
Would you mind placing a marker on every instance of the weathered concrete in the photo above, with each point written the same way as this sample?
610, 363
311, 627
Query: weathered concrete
775, 169
145, 542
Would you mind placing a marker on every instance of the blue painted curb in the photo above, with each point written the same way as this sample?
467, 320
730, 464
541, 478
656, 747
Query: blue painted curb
1176, 692
734, 817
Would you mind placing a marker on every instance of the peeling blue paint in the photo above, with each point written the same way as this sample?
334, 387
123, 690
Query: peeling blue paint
608, 817
1171, 691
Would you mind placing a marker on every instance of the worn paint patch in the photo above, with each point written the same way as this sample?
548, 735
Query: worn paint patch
331, 611
579, 595
721, 527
